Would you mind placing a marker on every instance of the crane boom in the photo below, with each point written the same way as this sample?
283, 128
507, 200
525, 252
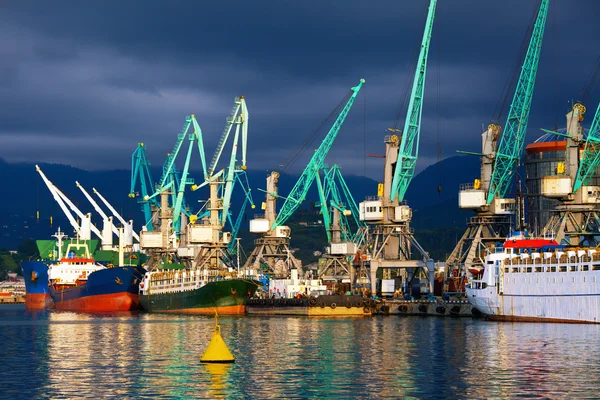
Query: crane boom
590, 159
229, 121
184, 180
97, 207
169, 165
235, 227
77, 211
241, 121
59, 200
409, 146
324, 205
513, 138
115, 213
140, 169
300, 189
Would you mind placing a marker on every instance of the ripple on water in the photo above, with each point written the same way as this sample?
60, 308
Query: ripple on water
62, 354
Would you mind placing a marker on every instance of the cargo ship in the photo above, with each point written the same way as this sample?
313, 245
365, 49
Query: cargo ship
35, 273
536, 279
195, 291
37, 293
78, 283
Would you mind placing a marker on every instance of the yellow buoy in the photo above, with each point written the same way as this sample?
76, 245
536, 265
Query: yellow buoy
217, 351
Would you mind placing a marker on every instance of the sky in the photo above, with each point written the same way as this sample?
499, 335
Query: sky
81, 83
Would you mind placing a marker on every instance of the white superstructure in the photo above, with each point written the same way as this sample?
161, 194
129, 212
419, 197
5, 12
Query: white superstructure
73, 270
537, 280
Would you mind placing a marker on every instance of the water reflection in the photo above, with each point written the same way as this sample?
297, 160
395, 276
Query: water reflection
62, 354
218, 379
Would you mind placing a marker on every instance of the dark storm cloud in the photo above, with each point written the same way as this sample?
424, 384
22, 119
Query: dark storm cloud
81, 83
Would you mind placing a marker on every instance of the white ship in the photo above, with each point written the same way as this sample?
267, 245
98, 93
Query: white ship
538, 280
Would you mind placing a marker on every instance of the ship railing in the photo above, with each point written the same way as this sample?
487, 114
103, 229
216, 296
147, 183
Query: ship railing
552, 264
373, 198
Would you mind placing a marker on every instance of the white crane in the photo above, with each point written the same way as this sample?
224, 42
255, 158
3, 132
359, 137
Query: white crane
129, 232
108, 226
86, 226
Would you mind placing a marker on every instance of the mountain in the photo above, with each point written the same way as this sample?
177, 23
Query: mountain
24, 194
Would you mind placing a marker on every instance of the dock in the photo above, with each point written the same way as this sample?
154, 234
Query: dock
12, 299
341, 305
438, 308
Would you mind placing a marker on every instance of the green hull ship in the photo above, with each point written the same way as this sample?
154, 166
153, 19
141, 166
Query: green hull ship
191, 292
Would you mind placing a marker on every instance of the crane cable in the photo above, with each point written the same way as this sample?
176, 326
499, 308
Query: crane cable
516, 69
555, 80
592, 82
437, 117
296, 153
408, 80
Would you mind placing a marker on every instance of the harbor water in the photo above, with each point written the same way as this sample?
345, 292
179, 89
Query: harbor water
54, 354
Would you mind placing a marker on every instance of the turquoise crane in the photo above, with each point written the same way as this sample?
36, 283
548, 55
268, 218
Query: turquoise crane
351, 205
140, 170
176, 183
170, 178
590, 160
336, 194
235, 227
513, 139
239, 117
409, 146
302, 186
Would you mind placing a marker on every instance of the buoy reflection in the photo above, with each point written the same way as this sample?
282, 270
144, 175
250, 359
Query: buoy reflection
218, 377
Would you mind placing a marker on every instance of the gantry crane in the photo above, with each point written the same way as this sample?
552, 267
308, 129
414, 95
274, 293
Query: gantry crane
201, 243
336, 206
487, 196
214, 252
165, 241
576, 220
272, 248
391, 238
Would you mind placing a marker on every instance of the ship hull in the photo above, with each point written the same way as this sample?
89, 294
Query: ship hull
577, 300
227, 297
37, 294
111, 289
